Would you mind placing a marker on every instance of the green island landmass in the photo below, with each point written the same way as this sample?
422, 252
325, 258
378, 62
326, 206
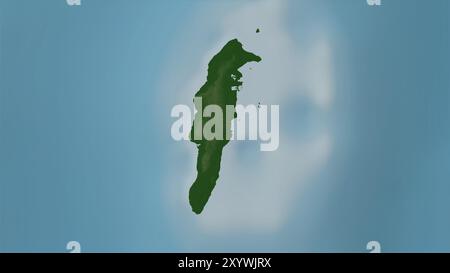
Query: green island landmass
221, 87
